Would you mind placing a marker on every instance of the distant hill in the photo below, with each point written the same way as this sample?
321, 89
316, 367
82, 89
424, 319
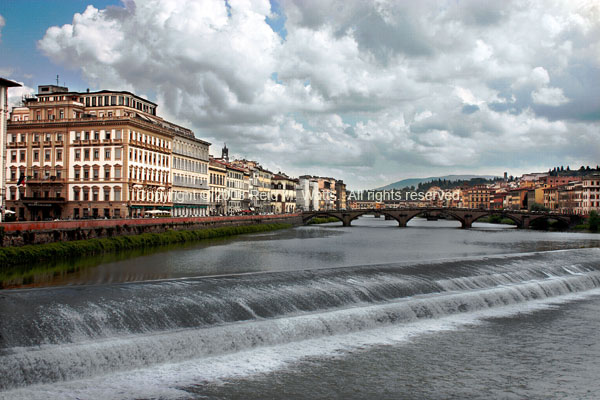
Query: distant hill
415, 181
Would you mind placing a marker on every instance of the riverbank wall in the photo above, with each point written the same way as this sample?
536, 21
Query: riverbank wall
24, 233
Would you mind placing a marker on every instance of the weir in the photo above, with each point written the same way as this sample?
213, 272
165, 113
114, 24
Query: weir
60, 334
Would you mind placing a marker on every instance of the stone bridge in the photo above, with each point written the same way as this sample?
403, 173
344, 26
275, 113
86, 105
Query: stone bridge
465, 216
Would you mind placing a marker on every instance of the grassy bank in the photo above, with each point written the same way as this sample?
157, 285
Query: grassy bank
34, 254
322, 220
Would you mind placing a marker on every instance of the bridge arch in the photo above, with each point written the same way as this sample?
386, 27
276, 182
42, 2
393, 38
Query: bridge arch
564, 222
418, 213
321, 214
518, 221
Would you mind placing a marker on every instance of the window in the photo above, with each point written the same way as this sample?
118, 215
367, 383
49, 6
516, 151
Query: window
107, 154
36, 155
96, 135
48, 137
96, 154
94, 194
118, 172
107, 135
76, 197
86, 135
13, 156
47, 155
113, 100
86, 173
118, 134
77, 154
106, 194
96, 174
117, 194
86, 154
107, 173
59, 137
58, 173
36, 137
58, 155
13, 174
117, 154
86, 194
77, 135
61, 114
77, 173
22, 156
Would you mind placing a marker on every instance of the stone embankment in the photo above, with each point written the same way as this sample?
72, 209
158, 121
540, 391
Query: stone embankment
24, 233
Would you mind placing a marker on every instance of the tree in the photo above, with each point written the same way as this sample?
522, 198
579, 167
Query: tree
537, 207
594, 221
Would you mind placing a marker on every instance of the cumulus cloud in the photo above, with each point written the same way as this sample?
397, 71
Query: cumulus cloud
364, 90
550, 96
16, 94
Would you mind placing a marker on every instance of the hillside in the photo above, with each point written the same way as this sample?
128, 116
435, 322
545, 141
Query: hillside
415, 181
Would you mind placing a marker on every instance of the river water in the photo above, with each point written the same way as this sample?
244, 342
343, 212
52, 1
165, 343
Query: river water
369, 311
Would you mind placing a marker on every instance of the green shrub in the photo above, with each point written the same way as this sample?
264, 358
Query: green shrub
33, 254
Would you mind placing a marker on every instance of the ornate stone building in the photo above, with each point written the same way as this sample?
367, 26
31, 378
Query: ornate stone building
99, 154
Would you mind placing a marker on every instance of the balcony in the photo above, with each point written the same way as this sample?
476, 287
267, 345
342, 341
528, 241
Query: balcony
11, 145
180, 183
47, 143
42, 201
35, 144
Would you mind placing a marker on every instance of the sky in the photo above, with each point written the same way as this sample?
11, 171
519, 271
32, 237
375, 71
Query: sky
370, 92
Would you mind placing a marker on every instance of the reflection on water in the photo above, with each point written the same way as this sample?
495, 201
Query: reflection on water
369, 241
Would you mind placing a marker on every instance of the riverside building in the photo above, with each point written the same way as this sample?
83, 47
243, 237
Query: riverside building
283, 192
4, 85
218, 187
191, 193
102, 154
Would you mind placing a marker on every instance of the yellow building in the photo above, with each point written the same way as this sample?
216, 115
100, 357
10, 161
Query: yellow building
218, 187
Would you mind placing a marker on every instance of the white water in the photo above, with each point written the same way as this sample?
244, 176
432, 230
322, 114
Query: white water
166, 380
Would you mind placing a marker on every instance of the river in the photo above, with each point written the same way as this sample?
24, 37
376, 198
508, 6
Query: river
368, 311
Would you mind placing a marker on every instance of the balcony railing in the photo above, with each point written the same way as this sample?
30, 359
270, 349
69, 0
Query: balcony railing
177, 200
52, 200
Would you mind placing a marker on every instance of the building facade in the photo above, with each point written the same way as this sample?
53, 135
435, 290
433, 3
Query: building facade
283, 193
217, 187
190, 178
237, 192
